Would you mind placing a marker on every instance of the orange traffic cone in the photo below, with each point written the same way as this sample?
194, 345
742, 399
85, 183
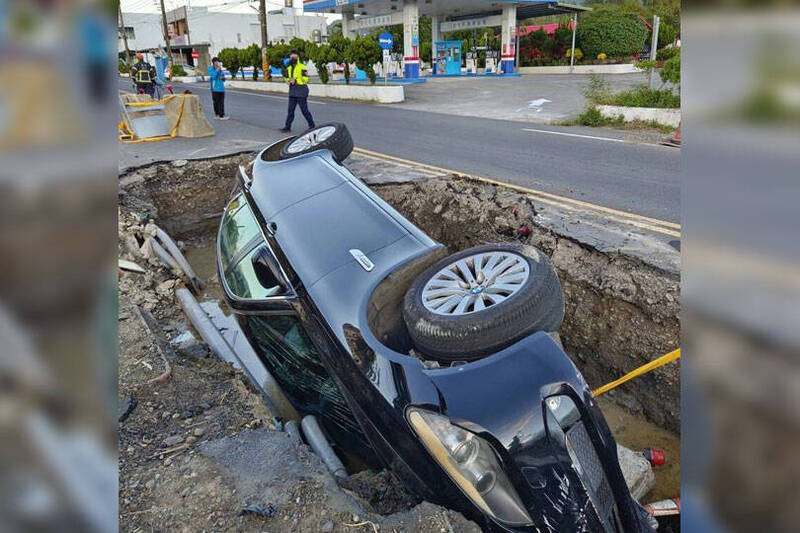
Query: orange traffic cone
676, 139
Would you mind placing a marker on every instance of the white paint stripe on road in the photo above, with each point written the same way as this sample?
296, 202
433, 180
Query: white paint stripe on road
611, 139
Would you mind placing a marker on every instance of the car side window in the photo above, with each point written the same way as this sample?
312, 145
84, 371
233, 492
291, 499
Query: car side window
241, 250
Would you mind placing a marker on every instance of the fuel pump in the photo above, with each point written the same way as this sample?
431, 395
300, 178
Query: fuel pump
472, 62
491, 61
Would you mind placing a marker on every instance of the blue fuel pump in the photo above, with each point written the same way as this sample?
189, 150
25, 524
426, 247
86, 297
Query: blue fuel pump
448, 58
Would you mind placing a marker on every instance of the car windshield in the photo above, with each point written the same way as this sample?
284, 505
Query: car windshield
239, 241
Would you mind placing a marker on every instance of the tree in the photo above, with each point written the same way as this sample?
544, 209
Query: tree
323, 55
276, 54
339, 44
364, 52
251, 56
231, 59
611, 31
304, 48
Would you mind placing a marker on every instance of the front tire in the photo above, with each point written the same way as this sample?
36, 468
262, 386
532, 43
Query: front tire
481, 300
333, 136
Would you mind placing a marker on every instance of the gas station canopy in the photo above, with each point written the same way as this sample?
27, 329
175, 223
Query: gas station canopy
450, 9
446, 16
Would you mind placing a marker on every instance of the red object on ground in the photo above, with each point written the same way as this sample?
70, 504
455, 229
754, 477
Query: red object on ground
677, 137
655, 456
169, 88
524, 231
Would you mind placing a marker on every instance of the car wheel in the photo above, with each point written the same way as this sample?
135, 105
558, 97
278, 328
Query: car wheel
481, 300
333, 136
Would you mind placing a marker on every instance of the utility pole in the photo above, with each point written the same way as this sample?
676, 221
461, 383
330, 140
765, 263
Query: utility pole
124, 36
166, 32
262, 13
654, 49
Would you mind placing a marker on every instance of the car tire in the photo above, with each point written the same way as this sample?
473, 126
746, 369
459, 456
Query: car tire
333, 136
518, 300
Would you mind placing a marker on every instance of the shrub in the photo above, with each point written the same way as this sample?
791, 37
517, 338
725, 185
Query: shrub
666, 34
611, 32
593, 117
251, 56
124, 68
643, 96
178, 70
323, 55
668, 53
231, 59
578, 54
364, 52
601, 56
276, 54
597, 90
339, 43
672, 70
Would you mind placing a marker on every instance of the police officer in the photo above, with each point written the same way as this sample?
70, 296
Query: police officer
143, 75
298, 91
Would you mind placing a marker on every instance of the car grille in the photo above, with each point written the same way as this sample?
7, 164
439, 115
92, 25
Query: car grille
591, 473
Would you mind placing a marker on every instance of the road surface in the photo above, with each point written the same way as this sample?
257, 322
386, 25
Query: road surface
588, 164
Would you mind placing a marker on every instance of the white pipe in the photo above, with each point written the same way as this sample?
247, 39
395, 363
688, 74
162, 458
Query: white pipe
273, 395
176, 253
163, 255
316, 439
293, 430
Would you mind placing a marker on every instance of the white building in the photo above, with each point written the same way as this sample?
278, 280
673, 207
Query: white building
208, 32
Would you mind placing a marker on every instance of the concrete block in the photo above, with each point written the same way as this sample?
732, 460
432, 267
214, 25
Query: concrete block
670, 117
388, 94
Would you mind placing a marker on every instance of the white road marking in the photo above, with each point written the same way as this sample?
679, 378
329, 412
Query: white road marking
610, 139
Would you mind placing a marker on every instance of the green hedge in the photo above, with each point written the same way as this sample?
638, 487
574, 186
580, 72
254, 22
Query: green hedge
610, 32
643, 96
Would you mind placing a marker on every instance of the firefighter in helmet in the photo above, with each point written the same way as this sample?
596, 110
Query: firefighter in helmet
143, 75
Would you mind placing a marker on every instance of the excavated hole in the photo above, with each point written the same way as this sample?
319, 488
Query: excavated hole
620, 312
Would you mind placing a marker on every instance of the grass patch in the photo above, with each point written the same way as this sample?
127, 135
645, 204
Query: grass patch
593, 118
643, 96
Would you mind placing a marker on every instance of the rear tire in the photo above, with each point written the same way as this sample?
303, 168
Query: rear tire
528, 294
333, 136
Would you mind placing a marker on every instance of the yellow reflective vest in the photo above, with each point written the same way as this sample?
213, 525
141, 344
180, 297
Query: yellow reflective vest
298, 72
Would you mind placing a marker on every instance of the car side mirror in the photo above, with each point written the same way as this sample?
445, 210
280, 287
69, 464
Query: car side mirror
267, 270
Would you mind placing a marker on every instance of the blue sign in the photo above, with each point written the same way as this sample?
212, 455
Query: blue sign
386, 40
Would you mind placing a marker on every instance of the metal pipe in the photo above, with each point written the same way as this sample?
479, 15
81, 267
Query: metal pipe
316, 439
572, 50
176, 253
163, 255
292, 428
272, 394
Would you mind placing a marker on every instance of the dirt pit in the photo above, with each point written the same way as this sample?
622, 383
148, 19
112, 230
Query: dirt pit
620, 313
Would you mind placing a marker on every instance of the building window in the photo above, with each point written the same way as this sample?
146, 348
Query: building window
239, 37
129, 33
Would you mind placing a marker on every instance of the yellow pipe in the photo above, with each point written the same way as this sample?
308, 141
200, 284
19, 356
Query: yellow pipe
661, 361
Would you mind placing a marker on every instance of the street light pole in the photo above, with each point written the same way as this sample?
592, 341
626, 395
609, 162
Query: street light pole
572, 52
166, 32
262, 15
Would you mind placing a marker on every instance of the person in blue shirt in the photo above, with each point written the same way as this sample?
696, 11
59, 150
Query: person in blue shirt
217, 89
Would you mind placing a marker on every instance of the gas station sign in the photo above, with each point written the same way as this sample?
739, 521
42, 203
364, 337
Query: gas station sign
386, 40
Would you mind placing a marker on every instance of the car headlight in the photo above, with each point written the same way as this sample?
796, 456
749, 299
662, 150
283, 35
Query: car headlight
471, 464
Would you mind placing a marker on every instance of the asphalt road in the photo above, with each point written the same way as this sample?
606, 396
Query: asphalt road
588, 164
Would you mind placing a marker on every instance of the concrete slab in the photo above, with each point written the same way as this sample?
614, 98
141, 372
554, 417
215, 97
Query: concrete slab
535, 98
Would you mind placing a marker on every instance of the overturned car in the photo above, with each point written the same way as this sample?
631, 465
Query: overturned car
443, 368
